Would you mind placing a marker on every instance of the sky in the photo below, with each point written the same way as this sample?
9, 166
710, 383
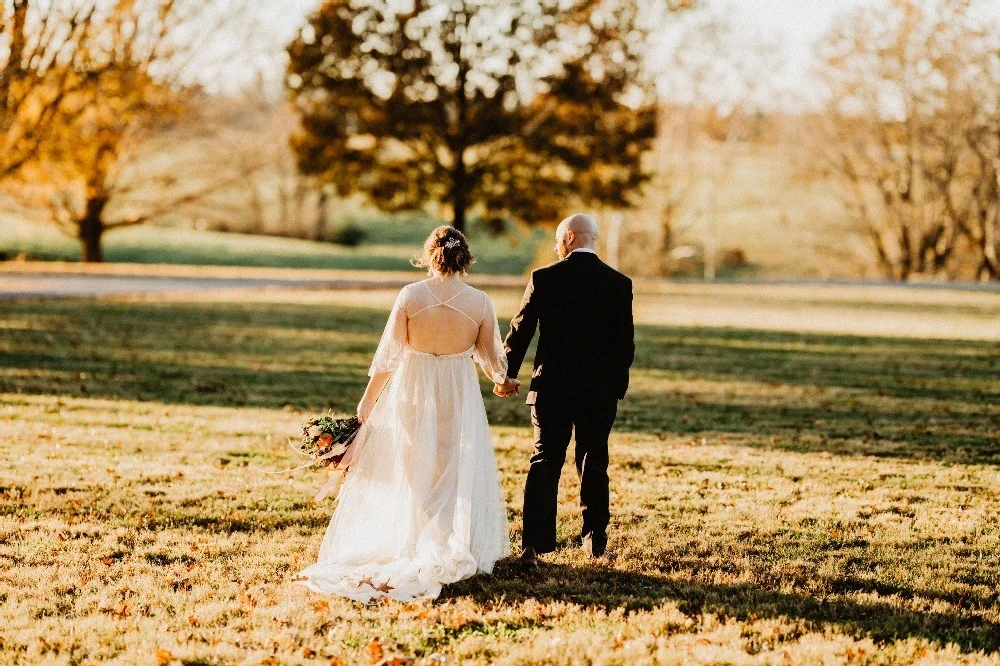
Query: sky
794, 24
772, 40
797, 23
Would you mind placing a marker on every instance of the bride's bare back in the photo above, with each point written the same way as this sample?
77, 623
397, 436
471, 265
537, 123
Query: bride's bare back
445, 317
442, 317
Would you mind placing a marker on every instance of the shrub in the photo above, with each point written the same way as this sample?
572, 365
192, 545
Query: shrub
348, 233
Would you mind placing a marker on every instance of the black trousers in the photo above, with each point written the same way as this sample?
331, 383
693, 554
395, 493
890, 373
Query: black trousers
554, 422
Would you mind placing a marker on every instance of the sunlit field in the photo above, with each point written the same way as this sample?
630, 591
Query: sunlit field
800, 475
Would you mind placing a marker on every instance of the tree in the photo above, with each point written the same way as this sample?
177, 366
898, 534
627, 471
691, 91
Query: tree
502, 109
912, 131
717, 86
978, 98
93, 164
42, 63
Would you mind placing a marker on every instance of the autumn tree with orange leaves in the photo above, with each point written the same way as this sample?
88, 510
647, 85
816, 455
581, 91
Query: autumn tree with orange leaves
86, 89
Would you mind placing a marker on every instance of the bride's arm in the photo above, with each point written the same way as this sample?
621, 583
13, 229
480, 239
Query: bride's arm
489, 352
390, 349
375, 386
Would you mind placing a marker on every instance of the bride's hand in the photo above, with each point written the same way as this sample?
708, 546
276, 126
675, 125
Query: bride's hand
364, 411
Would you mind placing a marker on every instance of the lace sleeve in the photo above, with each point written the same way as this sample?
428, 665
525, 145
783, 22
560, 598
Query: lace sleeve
489, 352
390, 347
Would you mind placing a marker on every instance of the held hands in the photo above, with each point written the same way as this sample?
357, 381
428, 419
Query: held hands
508, 388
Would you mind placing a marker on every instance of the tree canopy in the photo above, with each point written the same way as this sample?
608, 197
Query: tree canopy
501, 109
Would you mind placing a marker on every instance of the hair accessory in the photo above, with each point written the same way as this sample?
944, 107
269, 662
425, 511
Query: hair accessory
452, 242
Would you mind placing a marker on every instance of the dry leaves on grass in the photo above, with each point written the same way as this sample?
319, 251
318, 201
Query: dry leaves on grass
814, 540
375, 651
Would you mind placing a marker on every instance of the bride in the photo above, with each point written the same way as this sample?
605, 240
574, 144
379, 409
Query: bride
422, 504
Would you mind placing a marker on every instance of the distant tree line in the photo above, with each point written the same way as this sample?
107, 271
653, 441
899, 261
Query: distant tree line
912, 131
500, 111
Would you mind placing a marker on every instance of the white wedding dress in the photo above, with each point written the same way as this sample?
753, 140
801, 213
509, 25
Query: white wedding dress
422, 505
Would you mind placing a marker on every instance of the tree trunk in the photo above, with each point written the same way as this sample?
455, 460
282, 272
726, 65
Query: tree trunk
91, 230
90, 237
11, 77
322, 214
459, 181
257, 219
459, 193
667, 214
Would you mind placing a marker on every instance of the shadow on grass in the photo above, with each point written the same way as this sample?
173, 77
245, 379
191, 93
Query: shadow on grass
952, 370
609, 589
844, 394
903, 430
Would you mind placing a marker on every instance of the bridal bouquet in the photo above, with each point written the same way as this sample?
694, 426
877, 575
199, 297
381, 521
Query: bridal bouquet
326, 440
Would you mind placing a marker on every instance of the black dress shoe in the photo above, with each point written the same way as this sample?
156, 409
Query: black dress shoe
529, 559
595, 545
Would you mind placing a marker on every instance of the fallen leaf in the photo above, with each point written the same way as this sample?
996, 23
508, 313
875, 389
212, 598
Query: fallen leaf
375, 651
180, 584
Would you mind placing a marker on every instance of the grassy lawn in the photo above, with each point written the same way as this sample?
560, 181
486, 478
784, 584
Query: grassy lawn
799, 477
387, 246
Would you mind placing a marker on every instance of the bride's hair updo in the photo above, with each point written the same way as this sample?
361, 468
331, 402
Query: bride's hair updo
446, 252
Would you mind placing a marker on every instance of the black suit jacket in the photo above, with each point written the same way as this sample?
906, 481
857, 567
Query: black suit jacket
583, 311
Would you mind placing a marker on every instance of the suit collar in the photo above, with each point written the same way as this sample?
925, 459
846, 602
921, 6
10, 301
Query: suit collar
582, 256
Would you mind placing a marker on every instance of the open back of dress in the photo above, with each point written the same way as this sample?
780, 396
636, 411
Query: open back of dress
446, 326
422, 505
462, 322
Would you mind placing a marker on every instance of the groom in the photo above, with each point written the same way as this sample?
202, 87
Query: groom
583, 310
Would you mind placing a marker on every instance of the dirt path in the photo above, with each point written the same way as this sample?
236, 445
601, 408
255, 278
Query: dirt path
61, 280
42, 282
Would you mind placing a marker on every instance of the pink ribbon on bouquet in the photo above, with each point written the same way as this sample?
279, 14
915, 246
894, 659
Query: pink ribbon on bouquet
332, 484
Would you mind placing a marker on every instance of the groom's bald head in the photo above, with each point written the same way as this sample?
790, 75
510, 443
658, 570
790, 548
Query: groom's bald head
576, 231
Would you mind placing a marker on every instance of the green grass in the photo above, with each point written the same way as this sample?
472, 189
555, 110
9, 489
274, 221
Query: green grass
389, 245
778, 496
